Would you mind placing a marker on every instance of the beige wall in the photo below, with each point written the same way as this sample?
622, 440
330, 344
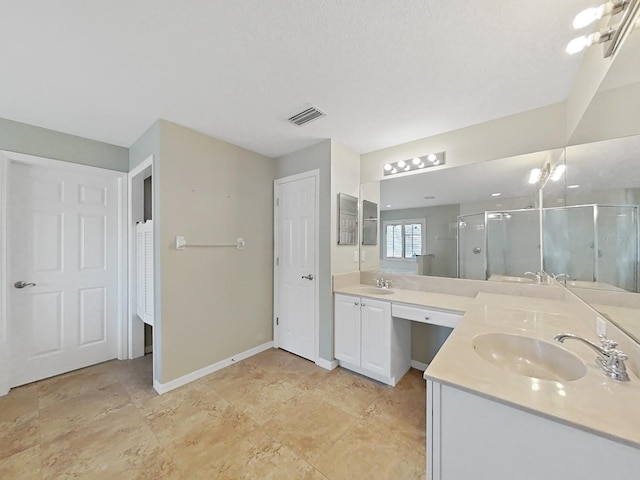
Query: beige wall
593, 70
612, 113
215, 302
532, 131
345, 178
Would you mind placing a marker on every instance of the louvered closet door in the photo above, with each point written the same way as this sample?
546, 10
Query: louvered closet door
144, 256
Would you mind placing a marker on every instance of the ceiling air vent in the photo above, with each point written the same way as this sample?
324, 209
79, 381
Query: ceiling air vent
307, 116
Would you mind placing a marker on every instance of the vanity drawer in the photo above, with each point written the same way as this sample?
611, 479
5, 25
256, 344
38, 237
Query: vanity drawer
426, 315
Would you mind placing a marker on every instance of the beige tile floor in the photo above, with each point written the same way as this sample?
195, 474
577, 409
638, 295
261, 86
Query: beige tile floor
274, 415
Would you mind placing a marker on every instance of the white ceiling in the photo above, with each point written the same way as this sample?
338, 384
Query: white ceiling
385, 71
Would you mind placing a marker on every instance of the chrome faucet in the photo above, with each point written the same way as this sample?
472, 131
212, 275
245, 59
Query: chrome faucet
558, 276
382, 283
610, 359
537, 276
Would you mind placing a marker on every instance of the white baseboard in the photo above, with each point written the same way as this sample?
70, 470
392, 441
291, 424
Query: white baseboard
203, 372
419, 365
326, 364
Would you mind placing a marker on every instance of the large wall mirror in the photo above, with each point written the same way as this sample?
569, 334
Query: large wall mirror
592, 243
479, 221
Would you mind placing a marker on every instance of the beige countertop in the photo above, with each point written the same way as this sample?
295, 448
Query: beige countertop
593, 403
442, 301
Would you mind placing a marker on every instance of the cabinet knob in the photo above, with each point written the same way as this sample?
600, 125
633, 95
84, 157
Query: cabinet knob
427, 318
362, 304
356, 303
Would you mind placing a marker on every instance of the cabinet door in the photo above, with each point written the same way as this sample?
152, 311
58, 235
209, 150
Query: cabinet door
347, 329
376, 336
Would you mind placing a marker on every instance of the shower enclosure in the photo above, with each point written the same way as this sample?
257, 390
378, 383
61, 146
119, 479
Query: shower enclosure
595, 246
503, 245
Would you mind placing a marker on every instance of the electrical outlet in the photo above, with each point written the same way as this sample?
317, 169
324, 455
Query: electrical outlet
363, 256
355, 256
601, 326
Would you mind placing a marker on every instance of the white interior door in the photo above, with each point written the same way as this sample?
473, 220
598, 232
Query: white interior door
63, 244
296, 266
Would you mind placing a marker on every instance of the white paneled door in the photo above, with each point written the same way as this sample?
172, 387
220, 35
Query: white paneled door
63, 246
296, 266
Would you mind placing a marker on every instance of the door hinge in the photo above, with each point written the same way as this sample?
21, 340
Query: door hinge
277, 321
277, 261
277, 202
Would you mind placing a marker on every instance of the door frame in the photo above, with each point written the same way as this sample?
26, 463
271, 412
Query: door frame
135, 330
6, 159
315, 174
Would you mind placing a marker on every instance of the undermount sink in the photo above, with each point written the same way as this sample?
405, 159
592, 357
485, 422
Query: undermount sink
375, 291
530, 357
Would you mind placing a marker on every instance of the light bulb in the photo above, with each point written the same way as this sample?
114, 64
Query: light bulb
401, 163
387, 167
557, 172
394, 171
436, 162
407, 168
416, 161
432, 157
588, 16
535, 175
421, 165
577, 45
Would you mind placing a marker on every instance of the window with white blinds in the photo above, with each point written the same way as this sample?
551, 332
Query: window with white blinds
404, 239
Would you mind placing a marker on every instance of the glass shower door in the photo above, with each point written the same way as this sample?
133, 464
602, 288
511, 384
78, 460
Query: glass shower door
471, 247
616, 242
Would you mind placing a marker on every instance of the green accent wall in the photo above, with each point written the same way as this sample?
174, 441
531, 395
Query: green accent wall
42, 142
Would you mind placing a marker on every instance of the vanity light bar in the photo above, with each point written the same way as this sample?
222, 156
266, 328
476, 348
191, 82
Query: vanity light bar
541, 175
416, 163
610, 36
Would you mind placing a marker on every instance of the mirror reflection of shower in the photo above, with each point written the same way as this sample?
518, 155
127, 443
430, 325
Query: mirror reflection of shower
499, 246
593, 246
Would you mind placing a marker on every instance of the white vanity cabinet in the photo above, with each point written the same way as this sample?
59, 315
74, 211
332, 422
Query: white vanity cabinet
473, 437
369, 341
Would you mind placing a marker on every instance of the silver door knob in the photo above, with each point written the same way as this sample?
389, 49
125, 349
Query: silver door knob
22, 284
308, 277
